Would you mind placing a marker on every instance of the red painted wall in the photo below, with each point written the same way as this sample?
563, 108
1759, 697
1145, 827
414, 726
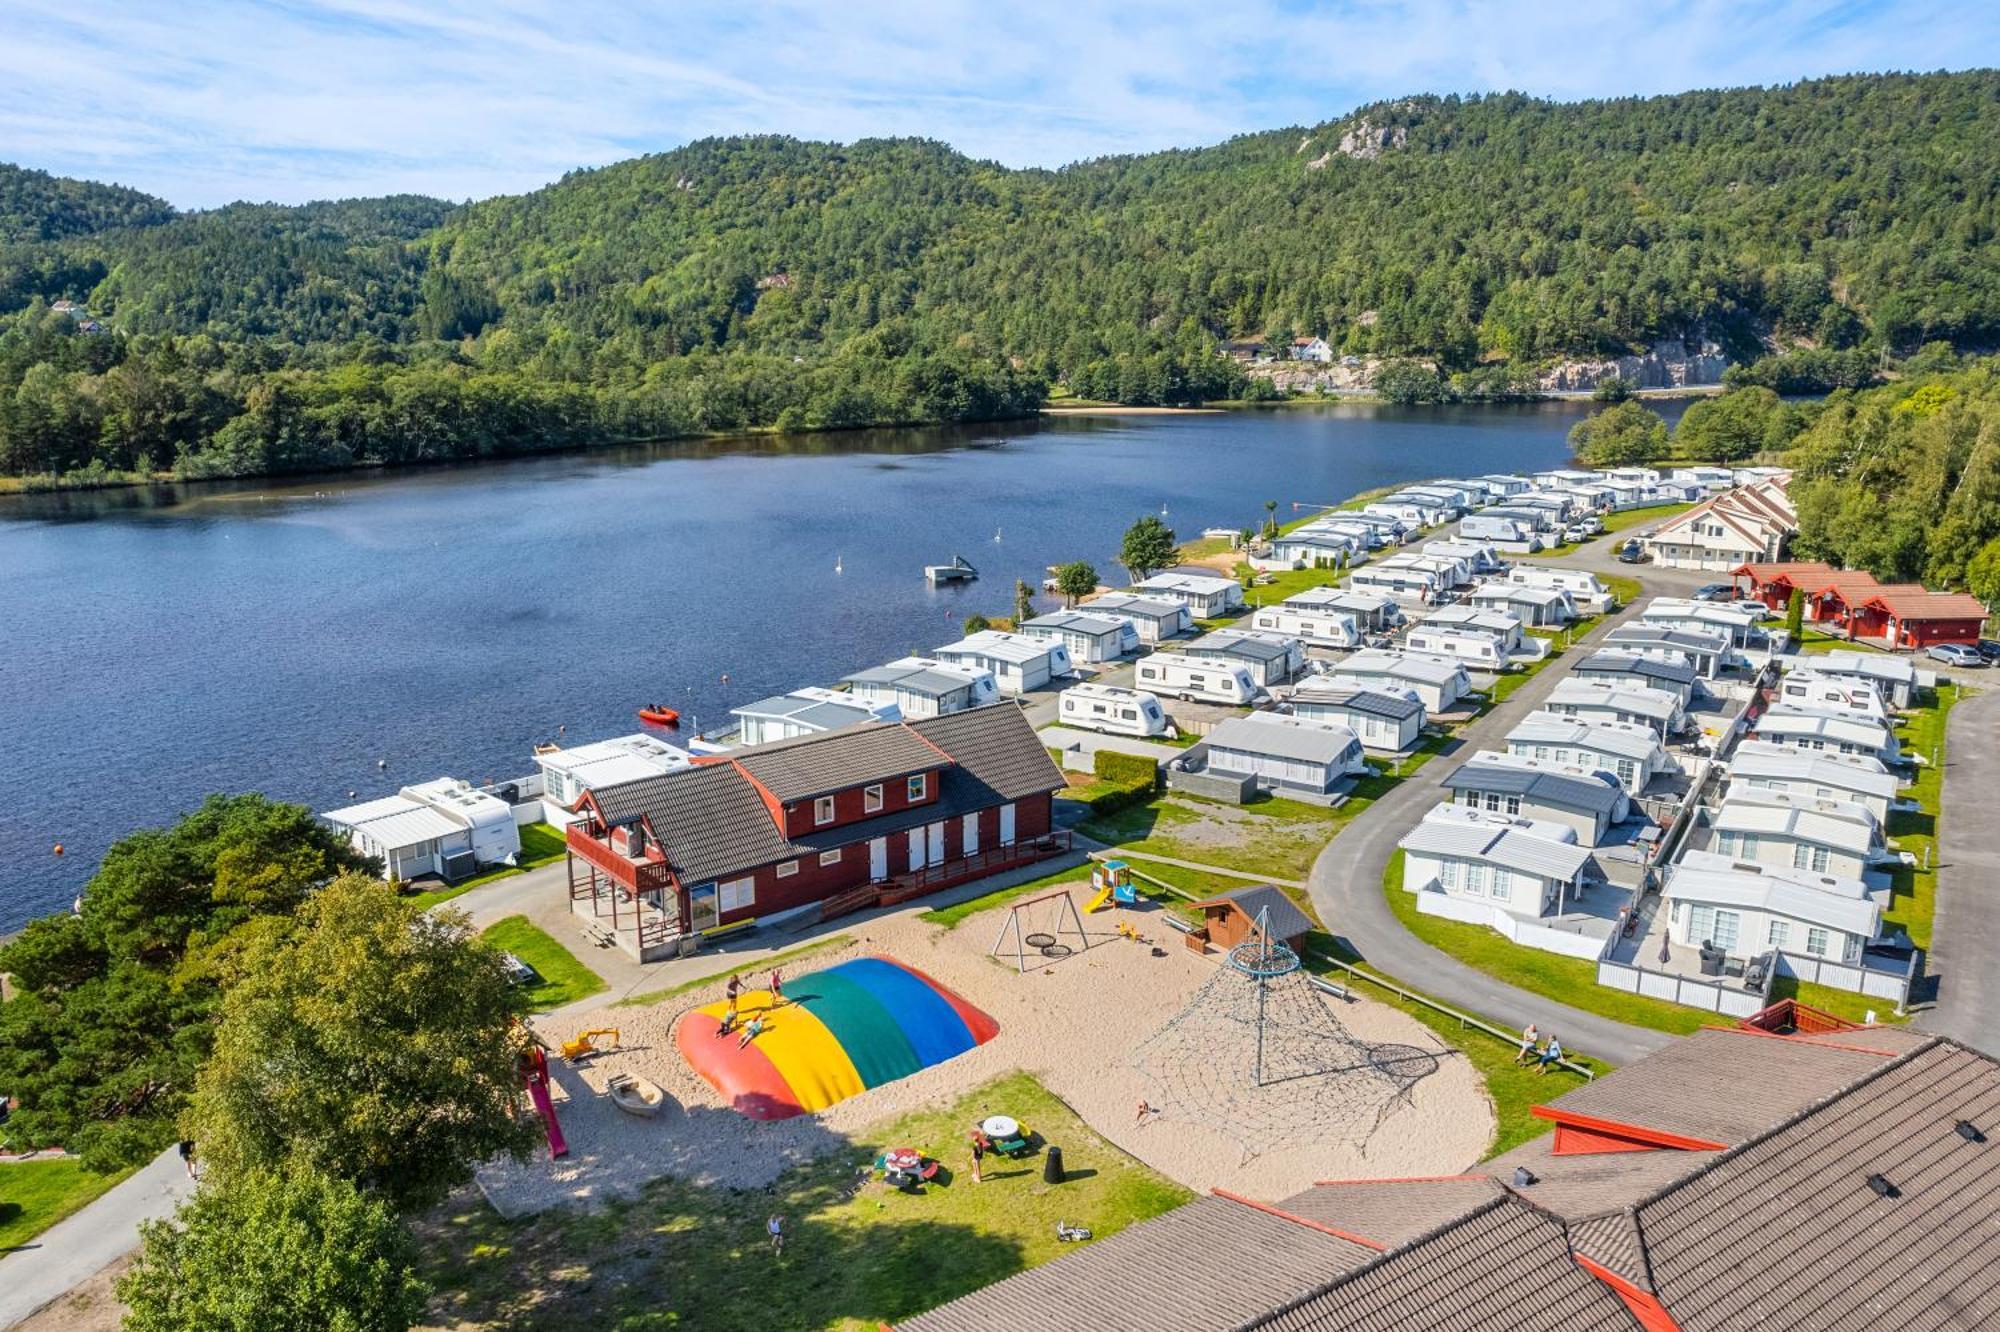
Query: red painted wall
1925, 633
1573, 1141
850, 806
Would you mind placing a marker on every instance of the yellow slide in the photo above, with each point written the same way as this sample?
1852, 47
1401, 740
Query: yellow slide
1100, 901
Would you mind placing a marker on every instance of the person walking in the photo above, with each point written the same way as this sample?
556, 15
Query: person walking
775, 1228
1529, 1034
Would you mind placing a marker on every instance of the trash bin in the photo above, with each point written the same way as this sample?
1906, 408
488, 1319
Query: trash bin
1052, 1166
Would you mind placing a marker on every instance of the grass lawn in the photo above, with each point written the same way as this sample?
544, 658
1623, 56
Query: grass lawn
1505, 686
34, 1195
1567, 980
562, 979
783, 959
1627, 590
680, 1256
1819, 640
540, 845
1841, 1003
1290, 582
1914, 903
1619, 520
1273, 836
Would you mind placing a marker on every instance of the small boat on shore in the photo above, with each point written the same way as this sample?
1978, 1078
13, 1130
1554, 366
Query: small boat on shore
660, 716
636, 1096
960, 570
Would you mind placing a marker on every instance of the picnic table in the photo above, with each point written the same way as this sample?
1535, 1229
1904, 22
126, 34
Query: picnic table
999, 1126
905, 1166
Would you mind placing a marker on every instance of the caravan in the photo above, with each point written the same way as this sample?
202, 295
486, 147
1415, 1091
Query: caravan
1115, 711
1320, 628
1193, 678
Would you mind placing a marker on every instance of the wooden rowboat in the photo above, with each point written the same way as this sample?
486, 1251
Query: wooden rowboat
636, 1096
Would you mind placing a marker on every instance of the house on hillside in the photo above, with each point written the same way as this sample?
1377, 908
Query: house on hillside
1311, 349
918, 805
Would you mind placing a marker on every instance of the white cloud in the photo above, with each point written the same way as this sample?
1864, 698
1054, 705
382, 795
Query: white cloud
209, 100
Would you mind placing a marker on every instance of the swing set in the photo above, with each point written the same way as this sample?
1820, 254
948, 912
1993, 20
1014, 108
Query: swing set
1041, 936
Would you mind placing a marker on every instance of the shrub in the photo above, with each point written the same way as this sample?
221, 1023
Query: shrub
1125, 769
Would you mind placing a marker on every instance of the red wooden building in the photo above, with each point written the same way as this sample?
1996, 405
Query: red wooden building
1914, 618
843, 819
1772, 583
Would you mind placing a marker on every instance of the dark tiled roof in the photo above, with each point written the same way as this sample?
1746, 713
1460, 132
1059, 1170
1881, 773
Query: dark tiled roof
1503, 1268
1549, 788
1785, 1233
1635, 664
1719, 1086
1286, 919
1372, 702
813, 765
1209, 1264
710, 820
996, 750
1391, 1212
1585, 1184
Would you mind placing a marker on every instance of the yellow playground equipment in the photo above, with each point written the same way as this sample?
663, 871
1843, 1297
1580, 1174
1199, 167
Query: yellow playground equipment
586, 1045
1113, 881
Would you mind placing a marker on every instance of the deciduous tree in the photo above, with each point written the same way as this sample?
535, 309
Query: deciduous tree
1149, 547
1076, 580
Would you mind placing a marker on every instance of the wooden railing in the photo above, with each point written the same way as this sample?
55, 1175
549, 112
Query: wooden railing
638, 875
990, 861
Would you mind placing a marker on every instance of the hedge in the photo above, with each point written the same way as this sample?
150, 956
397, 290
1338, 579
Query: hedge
1134, 770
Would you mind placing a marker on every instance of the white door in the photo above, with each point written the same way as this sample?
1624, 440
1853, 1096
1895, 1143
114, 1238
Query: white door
878, 860
916, 848
937, 844
971, 833
1006, 825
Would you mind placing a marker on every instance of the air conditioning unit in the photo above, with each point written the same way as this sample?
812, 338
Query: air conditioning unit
460, 865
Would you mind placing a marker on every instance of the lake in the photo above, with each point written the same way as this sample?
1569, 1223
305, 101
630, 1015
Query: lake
285, 637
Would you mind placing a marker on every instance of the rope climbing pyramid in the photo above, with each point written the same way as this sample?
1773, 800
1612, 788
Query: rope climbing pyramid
1259, 1055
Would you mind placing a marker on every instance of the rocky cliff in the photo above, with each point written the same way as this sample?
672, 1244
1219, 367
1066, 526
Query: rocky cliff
1669, 363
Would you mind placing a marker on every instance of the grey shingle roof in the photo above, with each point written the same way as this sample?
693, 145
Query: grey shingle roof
1286, 919
1585, 1184
813, 765
1370, 702
1831, 1255
711, 821
1502, 1268
1546, 788
1275, 735
1719, 1086
1207, 1265
1391, 1212
1223, 643
1634, 665
996, 751
1499, 844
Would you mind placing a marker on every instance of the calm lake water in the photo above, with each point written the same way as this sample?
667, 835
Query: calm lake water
156, 646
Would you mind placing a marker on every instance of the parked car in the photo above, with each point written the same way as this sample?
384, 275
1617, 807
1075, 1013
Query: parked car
1591, 523
1576, 532
1955, 654
1632, 552
1715, 592
1988, 649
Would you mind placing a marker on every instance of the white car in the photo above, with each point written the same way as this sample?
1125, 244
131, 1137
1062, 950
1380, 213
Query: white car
1576, 532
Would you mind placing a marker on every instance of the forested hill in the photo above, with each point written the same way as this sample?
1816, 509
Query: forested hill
757, 281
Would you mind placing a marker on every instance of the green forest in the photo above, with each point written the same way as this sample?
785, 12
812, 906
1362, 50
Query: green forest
1815, 231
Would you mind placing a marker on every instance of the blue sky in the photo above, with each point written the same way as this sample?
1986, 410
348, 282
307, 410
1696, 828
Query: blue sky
205, 102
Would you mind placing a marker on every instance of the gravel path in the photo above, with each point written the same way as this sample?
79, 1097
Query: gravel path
1073, 1024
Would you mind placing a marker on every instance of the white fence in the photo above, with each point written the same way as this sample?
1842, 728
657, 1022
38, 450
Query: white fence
1890, 985
1509, 926
1727, 998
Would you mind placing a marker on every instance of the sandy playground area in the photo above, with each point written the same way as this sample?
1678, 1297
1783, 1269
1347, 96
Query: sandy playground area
1077, 1024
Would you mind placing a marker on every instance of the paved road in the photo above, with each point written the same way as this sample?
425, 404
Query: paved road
78, 1247
1965, 954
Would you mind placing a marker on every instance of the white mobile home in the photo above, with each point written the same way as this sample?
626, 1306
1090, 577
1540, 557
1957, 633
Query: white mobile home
1501, 628
1156, 618
1705, 650
1538, 520
1618, 701
1806, 774
1385, 722
1197, 678
1501, 485
1205, 597
1414, 516
1371, 612
1311, 548
1018, 662
1557, 478
1393, 531
1438, 682
1585, 589
1450, 571
1826, 837
1412, 586
1285, 753
1525, 867
924, 687
1747, 910
1752, 644
444, 828
1478, 651
1321, 628
1894, 678
1480, 557
806, 711
1588, 800
1707, 478
1542, 607
1629, 751
1513, 533
1089, 638
1639, 668
1115, 711
1828, 731
568, 773
1271, 658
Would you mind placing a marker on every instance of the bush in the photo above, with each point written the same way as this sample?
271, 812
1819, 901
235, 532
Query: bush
1124, 769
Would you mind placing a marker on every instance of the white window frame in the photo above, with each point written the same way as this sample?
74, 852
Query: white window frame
735, 894
786, 869
871, 799
1779, 935
823, 810
830, 857
1818, 939
918, 786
